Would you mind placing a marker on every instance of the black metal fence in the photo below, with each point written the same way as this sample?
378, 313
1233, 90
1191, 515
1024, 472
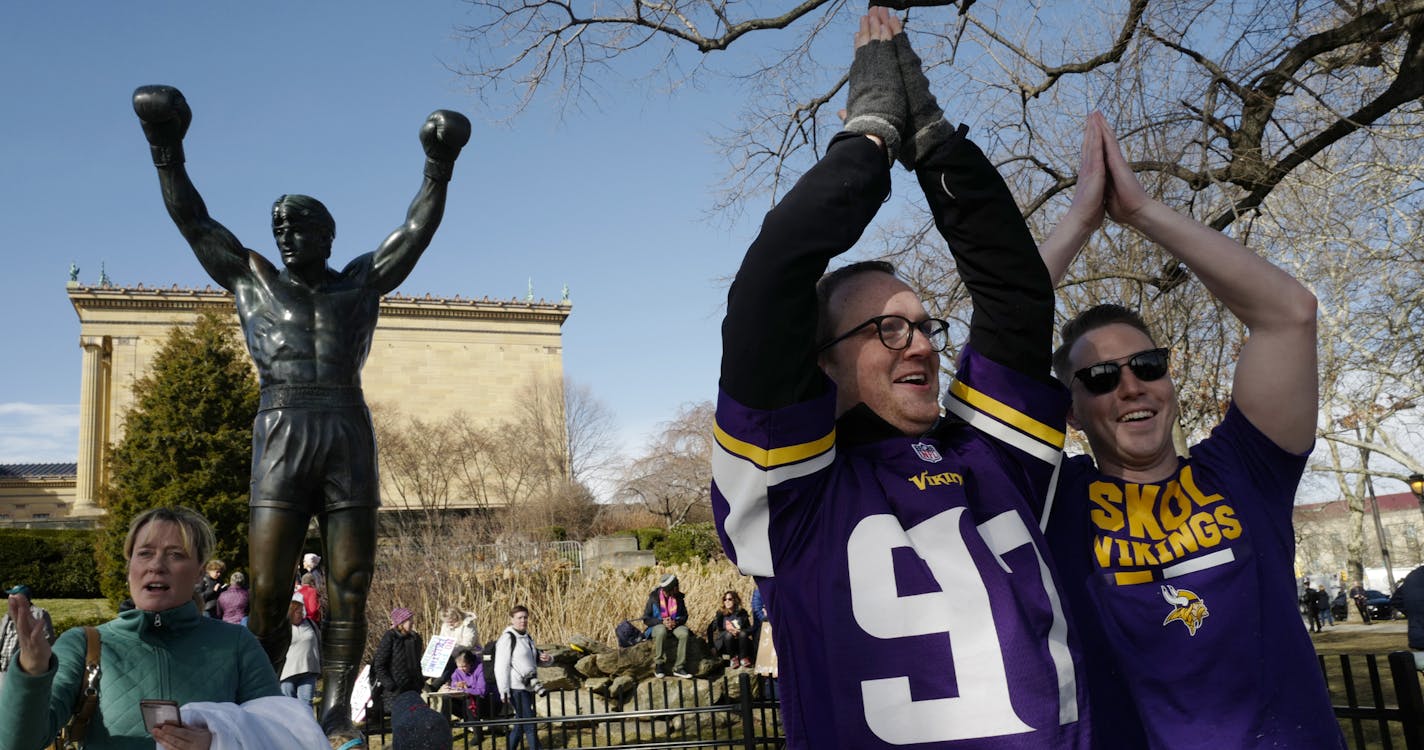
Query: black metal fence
1376, 711
734, 712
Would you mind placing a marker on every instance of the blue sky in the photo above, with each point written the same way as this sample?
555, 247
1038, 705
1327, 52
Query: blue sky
326, 99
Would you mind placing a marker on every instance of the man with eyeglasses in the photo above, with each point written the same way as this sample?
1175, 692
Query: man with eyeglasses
915, 604
1180, 568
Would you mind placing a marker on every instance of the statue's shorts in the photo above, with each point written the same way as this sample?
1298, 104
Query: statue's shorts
313, 450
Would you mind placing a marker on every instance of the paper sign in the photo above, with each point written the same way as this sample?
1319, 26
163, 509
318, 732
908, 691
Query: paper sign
437, 655
361, 694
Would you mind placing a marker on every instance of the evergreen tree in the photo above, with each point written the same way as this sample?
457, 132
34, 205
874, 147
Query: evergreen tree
187, 441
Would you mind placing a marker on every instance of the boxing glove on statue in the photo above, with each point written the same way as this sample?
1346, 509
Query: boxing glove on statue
164, 115
442, 136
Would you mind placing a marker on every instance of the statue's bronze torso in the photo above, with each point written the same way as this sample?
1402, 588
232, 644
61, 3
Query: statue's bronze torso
298, 334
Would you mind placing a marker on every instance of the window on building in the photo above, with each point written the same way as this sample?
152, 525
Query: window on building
40, 516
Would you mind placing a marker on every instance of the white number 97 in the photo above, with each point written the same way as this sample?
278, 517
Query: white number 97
960, 610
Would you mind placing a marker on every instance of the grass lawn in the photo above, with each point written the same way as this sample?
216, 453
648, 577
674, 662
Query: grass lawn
67, 613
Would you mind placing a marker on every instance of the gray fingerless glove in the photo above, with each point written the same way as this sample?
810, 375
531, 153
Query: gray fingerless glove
928, 127
876, 104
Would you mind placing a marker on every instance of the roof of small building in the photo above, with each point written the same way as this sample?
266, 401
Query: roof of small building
33, 471
1395, 501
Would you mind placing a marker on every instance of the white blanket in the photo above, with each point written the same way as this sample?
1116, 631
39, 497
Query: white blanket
272, 723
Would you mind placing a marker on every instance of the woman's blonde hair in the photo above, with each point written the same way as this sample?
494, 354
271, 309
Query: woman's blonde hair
197, 534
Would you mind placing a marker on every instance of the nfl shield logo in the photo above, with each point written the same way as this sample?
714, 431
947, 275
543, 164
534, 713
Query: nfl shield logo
927, 452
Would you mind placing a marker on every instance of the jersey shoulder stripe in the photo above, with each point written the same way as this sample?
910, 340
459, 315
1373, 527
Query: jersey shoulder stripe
753, 452
1020, 411
994, 419
768, 457
983, 402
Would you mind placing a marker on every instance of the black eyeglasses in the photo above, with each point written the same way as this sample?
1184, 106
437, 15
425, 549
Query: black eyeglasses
1103, 377
897, 331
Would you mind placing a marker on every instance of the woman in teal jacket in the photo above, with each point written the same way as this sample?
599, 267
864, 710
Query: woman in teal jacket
163, 649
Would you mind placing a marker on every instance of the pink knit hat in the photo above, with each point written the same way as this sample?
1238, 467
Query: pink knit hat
400, 615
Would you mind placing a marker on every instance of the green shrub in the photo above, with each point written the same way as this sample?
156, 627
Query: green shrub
688, 542
648, 538
55, 563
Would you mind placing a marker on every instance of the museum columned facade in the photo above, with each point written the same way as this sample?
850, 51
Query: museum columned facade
430, 357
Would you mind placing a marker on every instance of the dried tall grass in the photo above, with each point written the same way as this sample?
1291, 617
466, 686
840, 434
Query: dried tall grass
431, 568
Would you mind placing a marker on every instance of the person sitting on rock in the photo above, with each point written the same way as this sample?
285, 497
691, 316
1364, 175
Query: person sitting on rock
666, 612
730, 631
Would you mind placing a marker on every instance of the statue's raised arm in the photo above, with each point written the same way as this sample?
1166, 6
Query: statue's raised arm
442, 136
165, 116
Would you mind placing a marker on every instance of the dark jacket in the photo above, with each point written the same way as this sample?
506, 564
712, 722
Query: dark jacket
1410, 598
718, 625
651, 615
396, 665
209, 589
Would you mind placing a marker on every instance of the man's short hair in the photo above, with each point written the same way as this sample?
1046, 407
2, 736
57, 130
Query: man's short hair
1095, 317
828, 284
303, 211
516, 609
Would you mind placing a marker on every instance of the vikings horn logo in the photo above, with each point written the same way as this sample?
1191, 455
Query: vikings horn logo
1187, 608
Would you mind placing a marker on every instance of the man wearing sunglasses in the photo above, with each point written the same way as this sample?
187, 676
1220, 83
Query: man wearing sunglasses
1180, 568
900, 551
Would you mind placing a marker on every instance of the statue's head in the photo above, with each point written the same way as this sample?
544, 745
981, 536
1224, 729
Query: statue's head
303, 229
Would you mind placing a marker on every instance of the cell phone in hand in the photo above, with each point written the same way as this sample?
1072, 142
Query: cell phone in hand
159, 712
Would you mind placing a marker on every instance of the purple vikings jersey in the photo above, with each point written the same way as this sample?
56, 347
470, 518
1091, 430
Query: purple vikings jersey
913, 601
1187, 586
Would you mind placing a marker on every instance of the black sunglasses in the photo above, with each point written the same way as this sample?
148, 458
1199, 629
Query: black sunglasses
1103, 377
897, 331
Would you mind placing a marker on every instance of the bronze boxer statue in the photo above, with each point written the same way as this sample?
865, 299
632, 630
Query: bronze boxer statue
308, 329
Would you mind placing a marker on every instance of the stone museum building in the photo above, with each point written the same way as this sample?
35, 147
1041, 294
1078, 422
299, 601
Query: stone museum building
430, 357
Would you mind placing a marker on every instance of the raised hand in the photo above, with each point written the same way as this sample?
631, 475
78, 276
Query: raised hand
1087, 207
1085, 213
1124, 195
927, 126
876, 103
30, 633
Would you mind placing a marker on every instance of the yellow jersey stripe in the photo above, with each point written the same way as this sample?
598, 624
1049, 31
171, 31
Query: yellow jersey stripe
776, 456
1005, 413
1130, 579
